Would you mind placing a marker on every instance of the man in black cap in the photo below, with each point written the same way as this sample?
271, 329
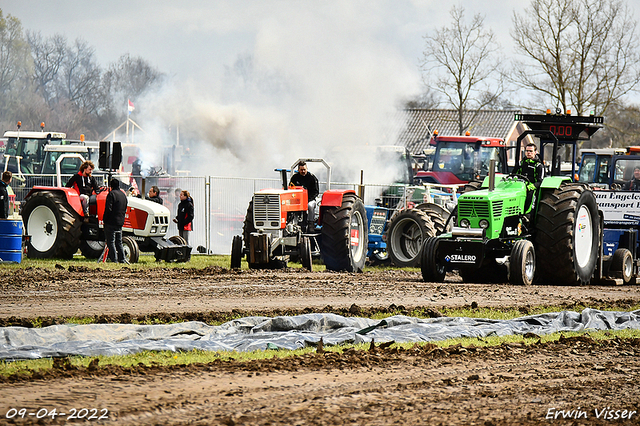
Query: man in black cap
115, 209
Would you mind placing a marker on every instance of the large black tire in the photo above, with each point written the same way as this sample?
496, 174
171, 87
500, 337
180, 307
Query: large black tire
405, 235
522, 263
438, 215
567, 235
131, 250
432, 270
248, 226
236, 252
92, 249
54, 227
622, 266
305, 253
344, 241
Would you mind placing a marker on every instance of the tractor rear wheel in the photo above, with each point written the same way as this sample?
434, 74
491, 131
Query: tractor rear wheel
522, 263
131, 250
344, 240
407, 230
236, 252
248, 226
54, 227
432, 270
567, 234
438, 215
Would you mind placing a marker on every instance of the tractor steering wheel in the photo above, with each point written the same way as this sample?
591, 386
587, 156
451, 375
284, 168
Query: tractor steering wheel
519, 176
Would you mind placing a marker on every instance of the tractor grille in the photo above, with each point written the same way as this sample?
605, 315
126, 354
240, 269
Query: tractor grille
512, 211
496, 208
266, 211
473, 208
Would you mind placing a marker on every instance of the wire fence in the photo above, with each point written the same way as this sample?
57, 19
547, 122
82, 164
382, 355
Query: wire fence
220, 203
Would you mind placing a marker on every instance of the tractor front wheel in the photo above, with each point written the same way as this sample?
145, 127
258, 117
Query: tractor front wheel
522, 263
622, 266
131, 250
344, 240
432, 270
236, 252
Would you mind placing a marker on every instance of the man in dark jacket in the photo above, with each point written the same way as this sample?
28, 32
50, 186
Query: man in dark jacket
532, 168
153, 195
4, 194
308, 181
115, 209
84, 184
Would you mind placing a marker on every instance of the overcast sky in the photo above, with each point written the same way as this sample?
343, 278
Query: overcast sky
327, 71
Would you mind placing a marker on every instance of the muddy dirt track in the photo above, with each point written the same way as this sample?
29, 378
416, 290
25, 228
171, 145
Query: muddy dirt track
511, 384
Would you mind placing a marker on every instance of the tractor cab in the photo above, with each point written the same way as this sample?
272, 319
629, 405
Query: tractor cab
460, 159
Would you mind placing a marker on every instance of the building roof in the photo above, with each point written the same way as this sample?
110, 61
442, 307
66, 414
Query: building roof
417, 125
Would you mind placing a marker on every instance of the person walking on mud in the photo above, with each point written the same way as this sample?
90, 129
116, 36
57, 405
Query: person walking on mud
184, 216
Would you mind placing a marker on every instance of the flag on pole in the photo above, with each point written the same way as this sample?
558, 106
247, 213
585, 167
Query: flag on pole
131, 107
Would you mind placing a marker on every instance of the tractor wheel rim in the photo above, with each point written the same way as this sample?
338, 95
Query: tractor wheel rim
407, 240
583, 236
43, 228
529, 265
627, 267
356, 230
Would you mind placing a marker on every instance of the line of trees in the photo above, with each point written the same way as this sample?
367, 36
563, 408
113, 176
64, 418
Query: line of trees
59, 82
578, 55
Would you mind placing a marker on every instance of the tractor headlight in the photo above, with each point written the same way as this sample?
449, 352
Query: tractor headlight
154, 229
484, 223
465, 223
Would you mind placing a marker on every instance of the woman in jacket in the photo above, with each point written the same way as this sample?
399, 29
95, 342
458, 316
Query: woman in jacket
184, 216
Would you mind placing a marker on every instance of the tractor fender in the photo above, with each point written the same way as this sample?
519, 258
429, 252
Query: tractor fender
554, 182
332, 198
71, 195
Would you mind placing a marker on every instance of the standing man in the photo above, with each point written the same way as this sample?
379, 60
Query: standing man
532, 168
115, 209
84, 184
152, 195
4, 194
308, 181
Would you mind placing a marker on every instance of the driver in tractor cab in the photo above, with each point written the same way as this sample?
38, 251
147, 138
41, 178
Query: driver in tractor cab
84, 184
634, 183
532, 168
308, 181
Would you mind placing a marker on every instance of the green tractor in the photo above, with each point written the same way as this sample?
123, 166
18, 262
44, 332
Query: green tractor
497, 237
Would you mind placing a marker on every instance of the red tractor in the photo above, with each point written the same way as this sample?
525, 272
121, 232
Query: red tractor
56, 227
275, 229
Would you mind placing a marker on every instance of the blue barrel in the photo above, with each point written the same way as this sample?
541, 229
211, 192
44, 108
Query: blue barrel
10, 240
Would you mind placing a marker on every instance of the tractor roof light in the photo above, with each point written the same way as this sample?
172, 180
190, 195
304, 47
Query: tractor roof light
19, 124
568, 112
548, 112
42, 126
467, 133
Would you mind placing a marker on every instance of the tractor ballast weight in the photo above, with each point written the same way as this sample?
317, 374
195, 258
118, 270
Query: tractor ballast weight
497, 237
275, 228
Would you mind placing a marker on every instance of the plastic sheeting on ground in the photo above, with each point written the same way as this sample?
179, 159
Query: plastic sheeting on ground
259, 333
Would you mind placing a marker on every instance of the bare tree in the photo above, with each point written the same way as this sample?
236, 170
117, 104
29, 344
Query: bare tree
48, 55
129, 78
14, 69
459, 60
580, 53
